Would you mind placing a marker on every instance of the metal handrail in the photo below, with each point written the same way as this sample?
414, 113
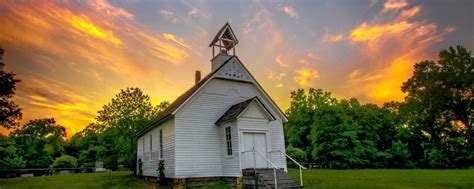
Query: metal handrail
266, 159
288, 158
294, 161
271, 163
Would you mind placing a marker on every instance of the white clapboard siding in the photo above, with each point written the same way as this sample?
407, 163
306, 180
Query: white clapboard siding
230, 164
150, 166
255, 111
198, 139
198, 144
278, 143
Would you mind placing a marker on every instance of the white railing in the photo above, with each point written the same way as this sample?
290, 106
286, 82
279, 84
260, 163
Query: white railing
294, 161
266, 159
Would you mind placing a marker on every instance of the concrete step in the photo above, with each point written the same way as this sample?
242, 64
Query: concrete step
267, 180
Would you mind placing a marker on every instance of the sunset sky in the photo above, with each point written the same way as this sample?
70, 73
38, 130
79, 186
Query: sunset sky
73, 56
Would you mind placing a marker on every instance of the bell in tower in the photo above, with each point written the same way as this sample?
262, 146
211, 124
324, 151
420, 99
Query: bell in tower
225, 42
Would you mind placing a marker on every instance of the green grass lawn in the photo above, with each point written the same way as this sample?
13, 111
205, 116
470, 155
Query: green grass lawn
313, 178
386, 178
123, 179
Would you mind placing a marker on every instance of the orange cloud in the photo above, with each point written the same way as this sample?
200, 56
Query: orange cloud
45, 98
394, 4
280, 62
384, 84
97, 48
173, 38
83, 24
329, 38
279, 78
180, 42
366, 32
391, 48
109, 10
305, 76
406, 14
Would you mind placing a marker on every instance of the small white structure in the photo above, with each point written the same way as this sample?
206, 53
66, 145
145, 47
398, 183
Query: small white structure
210, 129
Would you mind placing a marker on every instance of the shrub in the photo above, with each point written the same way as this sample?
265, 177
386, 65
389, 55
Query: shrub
161, 172
140, 167
296, 153
65, 161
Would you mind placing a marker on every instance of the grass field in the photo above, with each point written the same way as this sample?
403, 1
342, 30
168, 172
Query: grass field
116, 180
386, 178
314, 178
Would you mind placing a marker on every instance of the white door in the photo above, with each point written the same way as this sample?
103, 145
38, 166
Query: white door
257, 141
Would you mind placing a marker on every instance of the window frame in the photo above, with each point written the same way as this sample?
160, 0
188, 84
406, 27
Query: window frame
143, 149
228, 141
161, 143
150, 157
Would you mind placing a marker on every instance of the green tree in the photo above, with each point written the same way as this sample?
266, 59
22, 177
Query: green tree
9, 158
342, 133
65, 161
39, 141
301, 117
86, 146
335, 138
439, 106
298, 154
398, 156
10, 112
120, 120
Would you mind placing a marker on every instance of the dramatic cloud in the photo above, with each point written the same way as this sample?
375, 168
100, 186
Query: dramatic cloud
47, 98
373, 34
402, 42
84, 25
73, 56
102, 39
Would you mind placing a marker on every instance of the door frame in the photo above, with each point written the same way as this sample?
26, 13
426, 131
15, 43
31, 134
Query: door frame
260, 131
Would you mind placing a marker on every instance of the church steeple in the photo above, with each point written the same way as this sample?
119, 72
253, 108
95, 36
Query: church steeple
225, 41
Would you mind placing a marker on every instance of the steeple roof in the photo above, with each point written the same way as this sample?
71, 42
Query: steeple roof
227, 38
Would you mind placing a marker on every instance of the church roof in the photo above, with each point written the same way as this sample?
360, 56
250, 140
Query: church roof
179, 101
235, 110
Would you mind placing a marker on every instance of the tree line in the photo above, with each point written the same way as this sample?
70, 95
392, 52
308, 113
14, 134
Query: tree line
432, 128
42, 143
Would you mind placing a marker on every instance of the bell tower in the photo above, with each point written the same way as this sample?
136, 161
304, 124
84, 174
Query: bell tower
224, 42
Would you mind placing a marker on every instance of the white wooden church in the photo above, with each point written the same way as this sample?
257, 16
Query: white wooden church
222, 125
